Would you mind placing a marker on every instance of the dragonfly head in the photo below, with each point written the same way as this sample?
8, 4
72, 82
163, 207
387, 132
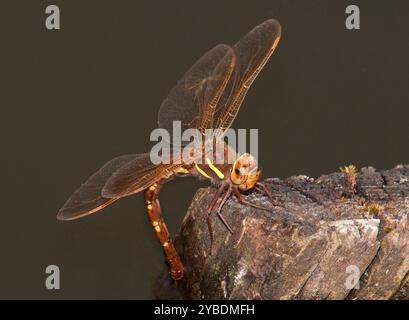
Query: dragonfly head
245, 172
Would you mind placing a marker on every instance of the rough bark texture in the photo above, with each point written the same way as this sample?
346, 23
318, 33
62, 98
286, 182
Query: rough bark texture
317, 241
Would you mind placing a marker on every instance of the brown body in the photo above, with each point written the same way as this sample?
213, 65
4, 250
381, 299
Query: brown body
208, 96
243, 174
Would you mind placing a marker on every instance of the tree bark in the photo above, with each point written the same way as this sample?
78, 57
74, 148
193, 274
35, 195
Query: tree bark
335, 237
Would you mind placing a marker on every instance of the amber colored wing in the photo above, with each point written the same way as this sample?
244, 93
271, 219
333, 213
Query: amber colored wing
214, 90
193, 99
89, 197
252, 53
131, 178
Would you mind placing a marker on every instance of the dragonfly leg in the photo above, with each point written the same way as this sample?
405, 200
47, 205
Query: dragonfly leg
220, 206
209, 211
241, 199
162, 233
263, 190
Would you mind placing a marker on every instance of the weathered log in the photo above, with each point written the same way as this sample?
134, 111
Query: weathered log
337, 237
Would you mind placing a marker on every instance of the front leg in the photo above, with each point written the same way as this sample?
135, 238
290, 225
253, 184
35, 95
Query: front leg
241, 199
219, 208
209, 211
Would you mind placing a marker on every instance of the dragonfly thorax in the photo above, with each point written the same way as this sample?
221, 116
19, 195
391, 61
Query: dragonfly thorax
245, 172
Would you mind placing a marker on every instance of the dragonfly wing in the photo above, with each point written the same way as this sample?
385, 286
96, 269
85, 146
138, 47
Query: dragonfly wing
215, 87
252, 53
88, 199
130, 178
201, 85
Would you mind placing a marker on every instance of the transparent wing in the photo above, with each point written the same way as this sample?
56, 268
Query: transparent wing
215, 87
132, 178
192, 101
88, 199
252, 53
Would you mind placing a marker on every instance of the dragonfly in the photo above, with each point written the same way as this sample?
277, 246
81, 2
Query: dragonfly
208, 96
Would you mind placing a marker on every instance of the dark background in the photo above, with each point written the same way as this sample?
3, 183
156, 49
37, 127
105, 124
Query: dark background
74, 98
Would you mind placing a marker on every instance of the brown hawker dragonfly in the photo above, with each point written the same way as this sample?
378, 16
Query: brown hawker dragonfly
208, 96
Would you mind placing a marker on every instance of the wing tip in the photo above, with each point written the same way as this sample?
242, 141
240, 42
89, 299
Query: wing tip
68, 217
63, 216
68, 213
108, 190
275, 24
